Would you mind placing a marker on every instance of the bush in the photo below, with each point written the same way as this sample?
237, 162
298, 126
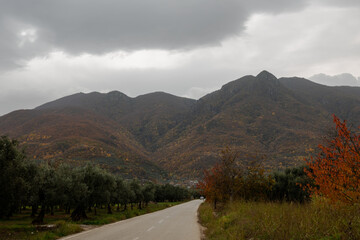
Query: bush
288, 185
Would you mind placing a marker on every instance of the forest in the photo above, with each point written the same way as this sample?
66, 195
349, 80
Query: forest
76, 191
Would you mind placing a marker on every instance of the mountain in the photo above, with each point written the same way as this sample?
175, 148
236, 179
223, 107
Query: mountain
253, 115
341, 101
148, 117
76, 136
344, 79
153, 135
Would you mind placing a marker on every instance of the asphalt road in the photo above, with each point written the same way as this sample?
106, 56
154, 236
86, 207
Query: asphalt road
175, 223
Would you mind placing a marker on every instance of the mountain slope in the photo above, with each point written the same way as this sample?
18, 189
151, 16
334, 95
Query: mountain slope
76, 136
254, 115
148, 117
341, 101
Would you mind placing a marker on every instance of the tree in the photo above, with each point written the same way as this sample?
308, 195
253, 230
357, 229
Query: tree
211, 186
100, 185
224, 181
120, 195
79, 194
45, 190
12, 179
287, 185
256, 185
148, 191
138, 194
336, 168
228, 180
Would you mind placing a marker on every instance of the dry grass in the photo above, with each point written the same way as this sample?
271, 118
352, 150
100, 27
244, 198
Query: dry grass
259, 220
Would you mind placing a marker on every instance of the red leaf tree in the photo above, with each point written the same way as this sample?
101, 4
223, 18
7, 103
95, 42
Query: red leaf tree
211, 185
336, 169
229, 179
223, 181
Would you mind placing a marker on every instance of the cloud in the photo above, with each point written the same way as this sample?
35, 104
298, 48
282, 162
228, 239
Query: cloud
198, 92
63, 51
337, 3
344, 79
34, 28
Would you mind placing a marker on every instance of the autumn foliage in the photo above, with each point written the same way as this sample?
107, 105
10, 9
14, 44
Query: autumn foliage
229, 179
336, 168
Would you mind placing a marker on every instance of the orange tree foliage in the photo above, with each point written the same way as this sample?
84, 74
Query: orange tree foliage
211, 185
336, 169
228, 180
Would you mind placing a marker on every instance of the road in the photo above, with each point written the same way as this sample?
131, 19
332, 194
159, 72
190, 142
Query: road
174, 223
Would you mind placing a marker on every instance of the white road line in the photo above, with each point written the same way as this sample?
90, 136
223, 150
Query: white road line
150, 229
161, 221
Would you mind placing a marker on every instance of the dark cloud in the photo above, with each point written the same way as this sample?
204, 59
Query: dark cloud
97, 27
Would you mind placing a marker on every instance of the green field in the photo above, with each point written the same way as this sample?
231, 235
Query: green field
260, 220
19, 226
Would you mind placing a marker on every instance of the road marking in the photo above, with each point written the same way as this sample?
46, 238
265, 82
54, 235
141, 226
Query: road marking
150, 229
160, 222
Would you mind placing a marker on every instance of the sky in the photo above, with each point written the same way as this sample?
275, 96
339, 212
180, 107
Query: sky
53, 48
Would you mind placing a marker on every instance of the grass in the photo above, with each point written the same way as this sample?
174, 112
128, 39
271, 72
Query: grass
19, 226
260, 220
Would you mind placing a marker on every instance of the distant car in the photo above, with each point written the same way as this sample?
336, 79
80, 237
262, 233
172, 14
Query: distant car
202, 198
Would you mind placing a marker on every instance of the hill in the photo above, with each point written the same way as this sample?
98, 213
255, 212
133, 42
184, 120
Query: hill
257, 116
281, 120
77, 136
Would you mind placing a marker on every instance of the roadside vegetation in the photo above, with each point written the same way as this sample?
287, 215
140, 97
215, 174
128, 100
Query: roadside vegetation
51, 200
281, 220
320, 200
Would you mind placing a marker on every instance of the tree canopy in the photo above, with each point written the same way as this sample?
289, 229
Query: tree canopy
336, 168
75, 190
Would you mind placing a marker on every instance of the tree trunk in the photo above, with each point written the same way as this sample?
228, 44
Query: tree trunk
34, 210
67, 209
125, 207
40, 218
47, 210
78, 213
109, 209
139, 206
52, 210
95, 209
118, 207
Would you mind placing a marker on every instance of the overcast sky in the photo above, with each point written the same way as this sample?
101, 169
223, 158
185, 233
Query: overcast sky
49, 49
